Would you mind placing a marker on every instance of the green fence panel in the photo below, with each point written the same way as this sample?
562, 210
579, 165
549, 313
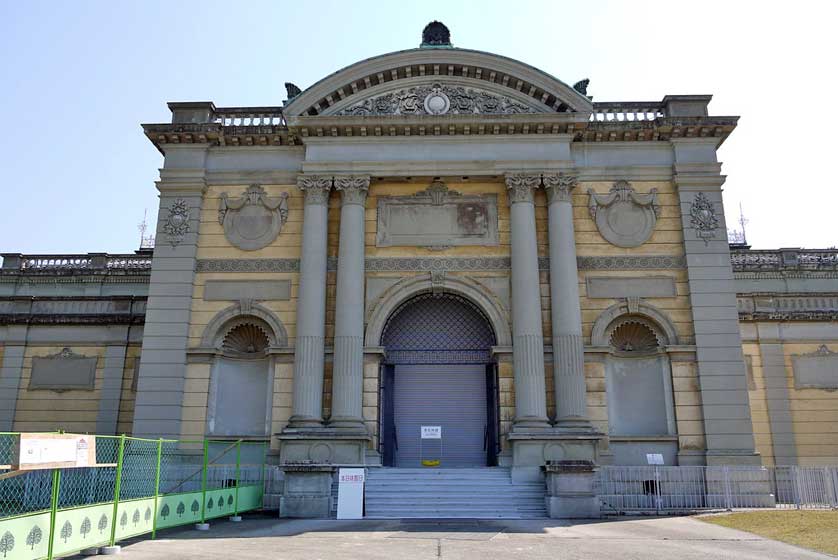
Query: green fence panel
25, 537
134, 517
219, 503
81, 527
250, 497
178, 509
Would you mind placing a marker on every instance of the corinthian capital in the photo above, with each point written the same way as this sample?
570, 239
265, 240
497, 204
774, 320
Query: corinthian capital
558, 186
353, 187
315, 187
520, 186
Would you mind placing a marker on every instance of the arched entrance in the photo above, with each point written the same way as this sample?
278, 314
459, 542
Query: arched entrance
439, 371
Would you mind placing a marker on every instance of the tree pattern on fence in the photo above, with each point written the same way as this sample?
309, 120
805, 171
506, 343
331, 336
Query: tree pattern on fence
34, 537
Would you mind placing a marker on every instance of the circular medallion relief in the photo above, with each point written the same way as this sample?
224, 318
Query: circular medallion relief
437, 103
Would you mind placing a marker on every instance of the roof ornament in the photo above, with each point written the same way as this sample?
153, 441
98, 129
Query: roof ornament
582, 86
292, 90
436, 34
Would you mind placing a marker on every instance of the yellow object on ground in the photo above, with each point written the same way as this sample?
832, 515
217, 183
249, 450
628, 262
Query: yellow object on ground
816, 530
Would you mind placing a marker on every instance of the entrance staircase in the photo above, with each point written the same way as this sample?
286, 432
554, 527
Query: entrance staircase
476, 493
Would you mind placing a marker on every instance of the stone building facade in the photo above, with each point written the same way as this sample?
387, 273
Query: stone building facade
436, 236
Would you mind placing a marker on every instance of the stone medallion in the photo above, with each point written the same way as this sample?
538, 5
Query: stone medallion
254, 220
436, 102
624, 217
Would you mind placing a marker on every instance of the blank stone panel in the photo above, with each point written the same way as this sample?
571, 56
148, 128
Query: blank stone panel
63, 372
818, 370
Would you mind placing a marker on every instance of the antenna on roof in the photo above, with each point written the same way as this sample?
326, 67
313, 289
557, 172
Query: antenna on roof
738, 238
146, 241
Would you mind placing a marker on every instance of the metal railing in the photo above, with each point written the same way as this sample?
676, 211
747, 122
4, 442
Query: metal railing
665, 490
137, 487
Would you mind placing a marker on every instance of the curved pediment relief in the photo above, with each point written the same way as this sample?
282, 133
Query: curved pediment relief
440, 98
506, 79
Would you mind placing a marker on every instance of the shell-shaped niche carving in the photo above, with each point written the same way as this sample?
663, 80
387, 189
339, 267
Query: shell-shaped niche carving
245, 340
624, 217
634, 336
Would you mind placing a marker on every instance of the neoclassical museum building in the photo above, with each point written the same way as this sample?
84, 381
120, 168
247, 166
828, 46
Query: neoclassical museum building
436, 238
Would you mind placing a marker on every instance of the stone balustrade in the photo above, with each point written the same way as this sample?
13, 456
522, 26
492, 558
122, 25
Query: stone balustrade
744, 260
17, 263
627, 111
248, 116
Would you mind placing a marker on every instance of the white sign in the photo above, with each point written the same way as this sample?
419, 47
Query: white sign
654, 459
350, 493
55, 450
431, 432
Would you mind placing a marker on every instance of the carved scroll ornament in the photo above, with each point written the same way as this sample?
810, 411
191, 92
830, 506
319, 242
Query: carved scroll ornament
254, 220
624, 217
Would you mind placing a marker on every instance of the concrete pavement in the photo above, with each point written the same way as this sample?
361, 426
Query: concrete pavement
677, 538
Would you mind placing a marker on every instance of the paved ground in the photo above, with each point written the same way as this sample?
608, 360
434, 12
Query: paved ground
678, 538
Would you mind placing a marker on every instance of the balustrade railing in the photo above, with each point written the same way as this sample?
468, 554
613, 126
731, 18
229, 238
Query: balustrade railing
803, 259
627, 111
248, 116
90, 261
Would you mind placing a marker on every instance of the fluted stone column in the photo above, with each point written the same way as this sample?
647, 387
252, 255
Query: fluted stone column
348, 369
311, 305
528, 343
566, 316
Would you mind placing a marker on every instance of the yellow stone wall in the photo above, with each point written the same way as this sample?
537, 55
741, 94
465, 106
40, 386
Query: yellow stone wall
666, 240
814, 411
46, 411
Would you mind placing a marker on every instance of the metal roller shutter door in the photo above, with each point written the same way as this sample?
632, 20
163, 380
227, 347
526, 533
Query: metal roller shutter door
451, 396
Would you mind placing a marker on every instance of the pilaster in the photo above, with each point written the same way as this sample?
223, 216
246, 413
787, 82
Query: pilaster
160, 385
721, 368
11, 370
111, 391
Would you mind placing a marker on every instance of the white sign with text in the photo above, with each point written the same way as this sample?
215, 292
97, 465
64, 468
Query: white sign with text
431, 432
654, 459
351, 493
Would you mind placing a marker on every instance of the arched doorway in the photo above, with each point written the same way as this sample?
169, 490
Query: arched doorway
438, 371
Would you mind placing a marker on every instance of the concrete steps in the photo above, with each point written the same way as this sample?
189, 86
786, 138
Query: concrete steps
470, 493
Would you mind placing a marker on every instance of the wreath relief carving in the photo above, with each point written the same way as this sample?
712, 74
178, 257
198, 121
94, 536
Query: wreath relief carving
625, 218
254, 220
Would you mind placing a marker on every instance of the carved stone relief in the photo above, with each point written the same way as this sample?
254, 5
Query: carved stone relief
437, 99
64, 371
437, 217
254, 220
624, 217
177, 223
817, 370
703, 218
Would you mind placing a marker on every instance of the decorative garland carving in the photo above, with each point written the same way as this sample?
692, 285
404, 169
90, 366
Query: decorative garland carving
437, 99
624, 217
177, 223
254, 220
703, 218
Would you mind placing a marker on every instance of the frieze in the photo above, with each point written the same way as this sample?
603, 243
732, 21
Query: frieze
425, 264
437, 99
254, 220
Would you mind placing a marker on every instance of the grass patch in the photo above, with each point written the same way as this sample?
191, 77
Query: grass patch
816, 530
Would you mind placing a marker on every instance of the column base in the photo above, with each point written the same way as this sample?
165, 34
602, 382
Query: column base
323, 446
307, 492
355, 425
304, 422
732, 457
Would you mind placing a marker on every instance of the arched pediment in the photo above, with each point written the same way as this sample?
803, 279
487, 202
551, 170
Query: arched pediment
437, 81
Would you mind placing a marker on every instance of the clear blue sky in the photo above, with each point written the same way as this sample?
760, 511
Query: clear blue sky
79, 78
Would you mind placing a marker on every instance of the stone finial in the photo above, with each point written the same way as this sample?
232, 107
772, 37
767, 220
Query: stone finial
582, 86
292, 90
436, 34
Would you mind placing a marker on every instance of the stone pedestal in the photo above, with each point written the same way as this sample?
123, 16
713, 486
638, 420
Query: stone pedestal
307, 492
531, 451
570, 490
309, 459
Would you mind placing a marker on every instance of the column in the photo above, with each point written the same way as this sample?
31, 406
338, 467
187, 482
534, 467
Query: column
568, 351
311, 305
348, 370
528, 343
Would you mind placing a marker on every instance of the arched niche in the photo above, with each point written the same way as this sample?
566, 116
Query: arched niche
642, 311
407, 288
